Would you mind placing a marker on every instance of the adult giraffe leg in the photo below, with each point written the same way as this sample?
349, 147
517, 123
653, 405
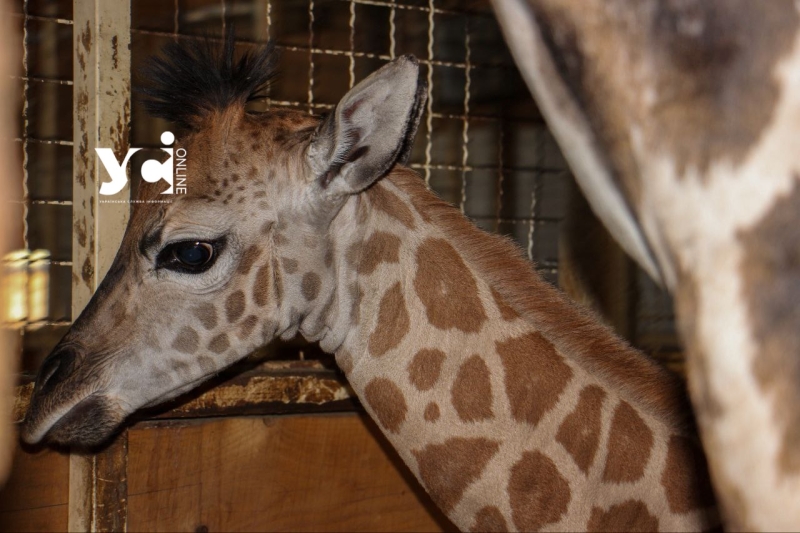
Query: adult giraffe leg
680, 129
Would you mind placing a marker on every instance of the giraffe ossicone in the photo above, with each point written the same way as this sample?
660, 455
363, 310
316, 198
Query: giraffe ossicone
514, 408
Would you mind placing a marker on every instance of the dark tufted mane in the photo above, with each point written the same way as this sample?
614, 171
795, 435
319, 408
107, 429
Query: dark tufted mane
189, 80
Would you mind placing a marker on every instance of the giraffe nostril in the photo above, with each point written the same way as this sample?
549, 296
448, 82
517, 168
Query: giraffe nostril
55, 368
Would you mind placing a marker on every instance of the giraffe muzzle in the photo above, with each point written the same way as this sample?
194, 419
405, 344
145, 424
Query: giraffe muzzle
55, 368
66, 407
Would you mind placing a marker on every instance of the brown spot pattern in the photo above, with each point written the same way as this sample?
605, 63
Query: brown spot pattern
631, 515
538, 493
186, 341
723, 79
685, 477
393, 322
247, 325
535, 376
472, 391
248, 258
261, 286
278, 287
425, 367
207, 315
355, 308
506, 311
579, 434
289, 265
234, 305
310, 286
387, 202
380, 247
219, 343
447, 288
182, 368
206, 364
489, 519
771, 290
447, 469
717, 87
420, 202
630, 442
387, 402
345, 361
597, 350
431, 413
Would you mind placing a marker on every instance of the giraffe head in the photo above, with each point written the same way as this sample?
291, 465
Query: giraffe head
245, 256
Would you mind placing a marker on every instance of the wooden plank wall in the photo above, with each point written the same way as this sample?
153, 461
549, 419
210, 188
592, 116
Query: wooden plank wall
311, 472
286, 473
36, 495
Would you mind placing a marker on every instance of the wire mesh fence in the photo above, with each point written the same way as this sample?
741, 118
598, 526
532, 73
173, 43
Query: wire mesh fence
482, 146
44, 142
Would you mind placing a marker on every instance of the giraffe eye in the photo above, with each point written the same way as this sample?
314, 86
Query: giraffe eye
193, 254
192, 257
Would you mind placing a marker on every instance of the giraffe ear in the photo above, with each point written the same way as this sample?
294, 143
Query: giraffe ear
371, 129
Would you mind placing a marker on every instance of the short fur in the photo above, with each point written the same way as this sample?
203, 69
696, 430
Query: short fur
572, 328
192, 79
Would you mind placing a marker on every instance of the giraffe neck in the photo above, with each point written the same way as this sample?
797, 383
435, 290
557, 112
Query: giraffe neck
512, 414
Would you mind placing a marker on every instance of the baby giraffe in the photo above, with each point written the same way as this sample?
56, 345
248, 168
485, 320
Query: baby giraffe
514, 408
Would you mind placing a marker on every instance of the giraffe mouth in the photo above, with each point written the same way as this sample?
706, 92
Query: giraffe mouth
84, 424
61, 416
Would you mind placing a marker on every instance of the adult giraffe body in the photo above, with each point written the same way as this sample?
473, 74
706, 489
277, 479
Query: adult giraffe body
513, 408
680, 121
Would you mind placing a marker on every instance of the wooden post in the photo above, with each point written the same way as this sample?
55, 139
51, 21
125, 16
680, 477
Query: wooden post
10, 215
101, 100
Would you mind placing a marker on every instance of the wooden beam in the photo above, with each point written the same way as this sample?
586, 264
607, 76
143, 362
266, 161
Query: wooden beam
268, 389
263, 392
101, 100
